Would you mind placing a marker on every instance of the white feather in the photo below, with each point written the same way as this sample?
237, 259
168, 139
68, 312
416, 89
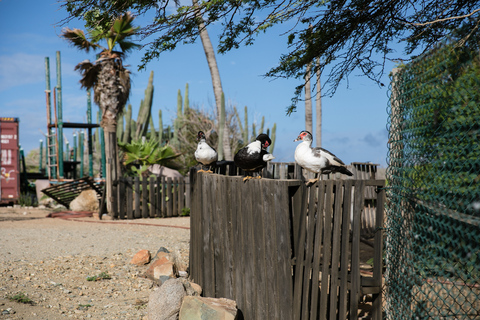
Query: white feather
268, 157
254, 147
306, 159
204, 153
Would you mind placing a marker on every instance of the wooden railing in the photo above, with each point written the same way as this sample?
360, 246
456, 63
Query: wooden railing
282, 250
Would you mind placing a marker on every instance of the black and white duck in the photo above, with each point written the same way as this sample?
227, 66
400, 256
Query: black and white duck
254, 157
317, 160
205, 155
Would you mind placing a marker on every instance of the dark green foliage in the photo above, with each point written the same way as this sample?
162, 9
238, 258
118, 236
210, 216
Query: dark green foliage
358, 35
433, 207
101, 276
21, 298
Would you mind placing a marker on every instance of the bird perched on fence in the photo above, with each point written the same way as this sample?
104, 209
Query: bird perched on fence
317, 160
205, 155
254, 157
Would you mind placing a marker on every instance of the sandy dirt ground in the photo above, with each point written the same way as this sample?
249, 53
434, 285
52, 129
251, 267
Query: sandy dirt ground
49, 261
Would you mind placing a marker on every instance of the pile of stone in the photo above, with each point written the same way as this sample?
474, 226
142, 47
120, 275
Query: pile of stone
175, 296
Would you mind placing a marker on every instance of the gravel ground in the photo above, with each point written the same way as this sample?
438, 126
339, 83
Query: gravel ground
49, 260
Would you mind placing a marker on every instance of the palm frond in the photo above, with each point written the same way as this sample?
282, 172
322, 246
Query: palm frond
89, 73
78, 39
127, 46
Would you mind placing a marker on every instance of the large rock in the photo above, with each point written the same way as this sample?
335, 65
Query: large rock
162, 258
86, 201
165, 302
199, 308
141, 257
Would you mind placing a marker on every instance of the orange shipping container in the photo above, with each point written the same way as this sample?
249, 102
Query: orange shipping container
9, 160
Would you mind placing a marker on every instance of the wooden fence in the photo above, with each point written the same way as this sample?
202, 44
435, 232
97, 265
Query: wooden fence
160, 197
282, 250
154, 197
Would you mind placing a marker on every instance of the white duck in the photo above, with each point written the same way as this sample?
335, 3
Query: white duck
205, 154
317, 160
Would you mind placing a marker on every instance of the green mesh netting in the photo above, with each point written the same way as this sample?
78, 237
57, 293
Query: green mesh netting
433, 194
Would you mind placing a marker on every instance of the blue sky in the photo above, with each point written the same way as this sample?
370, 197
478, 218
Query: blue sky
354, 119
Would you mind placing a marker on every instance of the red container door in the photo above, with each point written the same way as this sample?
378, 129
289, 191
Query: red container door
9, 160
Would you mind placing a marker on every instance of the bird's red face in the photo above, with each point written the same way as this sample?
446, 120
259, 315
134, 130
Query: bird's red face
265, 144
301, 136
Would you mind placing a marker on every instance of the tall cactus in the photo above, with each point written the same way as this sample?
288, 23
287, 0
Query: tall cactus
144, 113
160, 127
221, 127
127, 134
176, 123
153, 133
273, 137
186, 104
245, 133
262, 124
120, 119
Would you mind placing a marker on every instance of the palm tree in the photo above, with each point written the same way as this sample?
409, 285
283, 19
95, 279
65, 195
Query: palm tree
225, 152
110, 81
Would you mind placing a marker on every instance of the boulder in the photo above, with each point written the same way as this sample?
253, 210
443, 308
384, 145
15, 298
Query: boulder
166, 269
161, 258
87, 200
141, 257
199, 308
164, 303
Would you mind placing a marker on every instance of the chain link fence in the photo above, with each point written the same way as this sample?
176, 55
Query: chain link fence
432, 248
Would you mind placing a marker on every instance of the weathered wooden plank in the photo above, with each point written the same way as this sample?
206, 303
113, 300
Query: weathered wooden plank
378, 253
355, 263
218, 234
299, 244
175, 212
121, 198
181, 195
164, 197
129, 189
310, 224
250, 292
144, 198
259, 246
208, 235
271, 250
196, 231
284, 242
239, 243
169, 196
229, 239
326, 253
158, 198
152, 200
345, 249
137, 213
317, 254
336, 241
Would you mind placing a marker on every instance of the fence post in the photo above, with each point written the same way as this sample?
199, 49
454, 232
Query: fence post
144, 197
121, 198
129, 187
170, 196
153, 203
137, 213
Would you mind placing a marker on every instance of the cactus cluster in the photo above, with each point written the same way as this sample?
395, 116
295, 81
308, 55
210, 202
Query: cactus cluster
129, 130
244, 130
